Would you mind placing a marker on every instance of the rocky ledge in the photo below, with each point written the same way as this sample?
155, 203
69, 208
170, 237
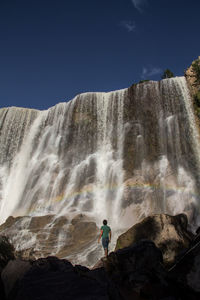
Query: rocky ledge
137, 271
169, 233
42, 236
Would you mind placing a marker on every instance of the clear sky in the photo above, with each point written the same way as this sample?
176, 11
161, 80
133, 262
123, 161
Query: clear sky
51, 50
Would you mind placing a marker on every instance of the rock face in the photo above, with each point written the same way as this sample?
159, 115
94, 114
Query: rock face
169, 233
134, 272
49, 234
192, 79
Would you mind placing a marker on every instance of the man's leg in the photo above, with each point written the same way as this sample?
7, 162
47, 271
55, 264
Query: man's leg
106, 252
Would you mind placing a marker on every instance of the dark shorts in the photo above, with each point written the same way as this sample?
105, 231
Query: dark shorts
105, 242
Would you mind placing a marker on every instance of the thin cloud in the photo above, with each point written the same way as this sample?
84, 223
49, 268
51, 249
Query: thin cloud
128, 25
148, 72
139, 4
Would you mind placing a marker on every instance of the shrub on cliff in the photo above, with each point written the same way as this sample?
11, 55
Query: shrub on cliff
167, 74
142, 81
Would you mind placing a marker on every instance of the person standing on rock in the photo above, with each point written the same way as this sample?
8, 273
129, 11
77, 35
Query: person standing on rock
105, 234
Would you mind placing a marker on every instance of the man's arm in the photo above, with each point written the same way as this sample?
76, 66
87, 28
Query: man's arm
110, 234
101, 232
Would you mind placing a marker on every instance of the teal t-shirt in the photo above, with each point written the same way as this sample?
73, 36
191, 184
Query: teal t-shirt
106, 229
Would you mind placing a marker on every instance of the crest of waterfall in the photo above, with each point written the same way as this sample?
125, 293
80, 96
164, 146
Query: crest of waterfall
121, 156
14, 126
71, 160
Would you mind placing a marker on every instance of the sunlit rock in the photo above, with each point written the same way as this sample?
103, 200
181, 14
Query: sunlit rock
46, 235
169, 233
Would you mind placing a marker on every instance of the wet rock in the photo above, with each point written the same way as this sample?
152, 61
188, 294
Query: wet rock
81, 233
100, 264
8, 223
169, 233
39, 222
42, 236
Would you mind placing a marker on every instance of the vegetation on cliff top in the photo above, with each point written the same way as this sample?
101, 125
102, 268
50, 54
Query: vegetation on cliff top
142, 81
167, 74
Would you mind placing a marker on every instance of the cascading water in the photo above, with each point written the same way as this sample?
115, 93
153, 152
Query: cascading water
68, 162
121, 155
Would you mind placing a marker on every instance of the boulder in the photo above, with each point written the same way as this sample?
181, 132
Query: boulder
136, 272
169, 233
187, 268
81, 233
99, 264
13, 273
52, 279
125, 274
41, 236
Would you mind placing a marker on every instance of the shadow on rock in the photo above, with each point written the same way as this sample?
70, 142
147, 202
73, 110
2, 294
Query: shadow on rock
169, 233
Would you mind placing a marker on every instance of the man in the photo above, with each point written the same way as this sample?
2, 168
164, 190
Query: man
105, 234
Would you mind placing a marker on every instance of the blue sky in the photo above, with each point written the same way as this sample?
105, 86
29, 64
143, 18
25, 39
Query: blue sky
52, 50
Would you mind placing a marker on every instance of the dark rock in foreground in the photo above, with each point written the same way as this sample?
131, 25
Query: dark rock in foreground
169, 233
134, 272
138, 273
6, 255
52, 278
187, 268
134, 268
6, 252
13, 273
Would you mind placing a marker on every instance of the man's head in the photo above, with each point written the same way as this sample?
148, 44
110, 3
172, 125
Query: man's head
105, 222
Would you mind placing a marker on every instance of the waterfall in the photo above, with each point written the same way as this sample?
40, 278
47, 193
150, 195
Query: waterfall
120, 155
14, 126
71, 161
